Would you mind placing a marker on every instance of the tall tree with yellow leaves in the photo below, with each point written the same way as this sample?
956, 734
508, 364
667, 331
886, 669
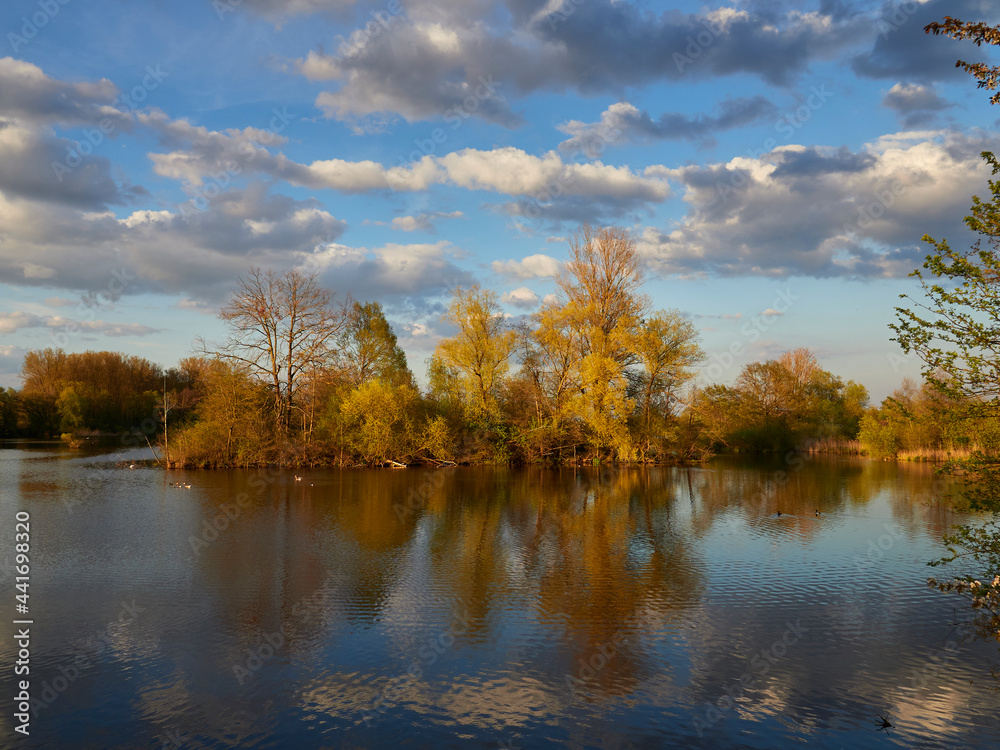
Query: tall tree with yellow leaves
481, 350
600, 290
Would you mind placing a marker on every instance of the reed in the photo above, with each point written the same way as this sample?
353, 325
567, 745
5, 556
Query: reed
837, 446
936, 455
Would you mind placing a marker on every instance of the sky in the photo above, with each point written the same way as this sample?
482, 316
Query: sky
778, 163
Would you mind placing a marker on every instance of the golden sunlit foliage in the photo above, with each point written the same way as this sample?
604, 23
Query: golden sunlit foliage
103, 391
781, 403
594, 375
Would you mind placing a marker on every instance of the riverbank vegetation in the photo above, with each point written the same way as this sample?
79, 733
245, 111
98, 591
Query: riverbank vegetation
595, 375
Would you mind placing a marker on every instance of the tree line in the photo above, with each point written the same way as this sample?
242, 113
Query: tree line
595, 375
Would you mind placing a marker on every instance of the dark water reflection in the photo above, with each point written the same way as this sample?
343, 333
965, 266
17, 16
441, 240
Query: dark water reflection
489, 608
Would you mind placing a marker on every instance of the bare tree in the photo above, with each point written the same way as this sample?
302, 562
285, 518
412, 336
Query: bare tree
281, 325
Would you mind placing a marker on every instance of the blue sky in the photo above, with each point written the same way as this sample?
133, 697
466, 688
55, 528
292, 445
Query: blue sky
761, 153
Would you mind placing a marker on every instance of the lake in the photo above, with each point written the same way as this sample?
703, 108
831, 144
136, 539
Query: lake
487, 607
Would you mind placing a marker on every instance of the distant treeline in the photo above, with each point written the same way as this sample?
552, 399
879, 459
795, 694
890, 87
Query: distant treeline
92, 392
919, 422
595, 375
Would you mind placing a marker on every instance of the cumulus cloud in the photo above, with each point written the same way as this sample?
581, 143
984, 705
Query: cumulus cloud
537, 266
403, 277
916, 104
36, 162
438, 60
196, 305
623, 123
15, 321
822, 212
507, 170
522, 298
11, 359
26, 158
902, 50
198, 253
200, 152
511, 171
30, 96
423, 222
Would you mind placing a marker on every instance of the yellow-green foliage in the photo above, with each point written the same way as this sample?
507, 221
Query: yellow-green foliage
439, 438
781, 403
234, 424
379, 421
481, 350
919, 421
878, 435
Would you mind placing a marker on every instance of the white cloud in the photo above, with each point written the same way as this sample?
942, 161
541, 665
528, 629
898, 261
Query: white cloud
15, 321
197, 253
439, 59
30, 96
623, 122
196, 305
537, 266
506, 170
399, 274
423, 222
820, 211
522, 298
511, 171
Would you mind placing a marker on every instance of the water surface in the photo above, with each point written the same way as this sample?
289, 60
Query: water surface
488, 608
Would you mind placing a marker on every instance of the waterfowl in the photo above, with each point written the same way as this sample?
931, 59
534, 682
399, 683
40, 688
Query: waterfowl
298, 479
884, 724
